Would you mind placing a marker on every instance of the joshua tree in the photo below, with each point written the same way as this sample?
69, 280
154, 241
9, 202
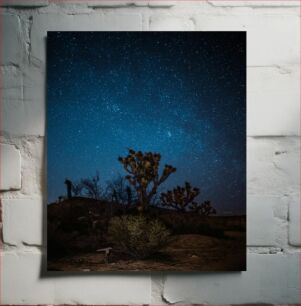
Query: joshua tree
119, 191
68, 184
143, 174
77, 188
129, 196
91, 186
204, 209
180, 197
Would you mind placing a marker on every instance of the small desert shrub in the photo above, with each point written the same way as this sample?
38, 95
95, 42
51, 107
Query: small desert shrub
137, 236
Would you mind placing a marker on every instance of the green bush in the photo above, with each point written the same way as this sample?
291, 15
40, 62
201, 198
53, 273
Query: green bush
137, 236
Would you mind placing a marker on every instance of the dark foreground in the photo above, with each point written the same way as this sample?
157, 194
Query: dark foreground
185, 253
78, 227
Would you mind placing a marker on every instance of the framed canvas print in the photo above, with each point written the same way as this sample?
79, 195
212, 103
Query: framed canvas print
146, 151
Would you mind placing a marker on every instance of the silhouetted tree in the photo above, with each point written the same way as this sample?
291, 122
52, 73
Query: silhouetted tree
91, 187
68, 184
114, 196
143, 174
180, 198
119, 191
204, 209
77, 188
61, 199
129, 195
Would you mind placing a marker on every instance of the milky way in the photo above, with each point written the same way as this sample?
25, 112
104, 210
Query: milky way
181, 94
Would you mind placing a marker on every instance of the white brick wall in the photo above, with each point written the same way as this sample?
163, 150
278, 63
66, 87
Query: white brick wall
294, 220
22, 222
12, 44
170, 23
24, 284
273, 151
10, 167
31, 3
81, 22
273, 88
270, 278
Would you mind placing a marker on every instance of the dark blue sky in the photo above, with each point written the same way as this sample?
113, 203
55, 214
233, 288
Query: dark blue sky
182, 94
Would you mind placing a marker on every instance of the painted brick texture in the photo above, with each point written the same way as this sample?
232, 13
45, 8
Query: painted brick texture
273, 151
10, 167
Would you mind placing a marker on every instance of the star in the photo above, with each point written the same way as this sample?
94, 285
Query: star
180, 94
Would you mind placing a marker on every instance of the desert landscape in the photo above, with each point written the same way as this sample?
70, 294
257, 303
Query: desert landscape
146, 151
132, 232
214, 244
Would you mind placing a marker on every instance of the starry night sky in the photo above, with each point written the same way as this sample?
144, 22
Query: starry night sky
182, 94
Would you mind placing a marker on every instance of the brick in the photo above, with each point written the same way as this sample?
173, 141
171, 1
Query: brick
118, 3
160, 3
135, 289
276, 92
269, 279
22, 283
294, 221
141, 3
12, 97
89, 22
272, 39
22, 221
33, 167
34, 99
24, 3
166, 23
10, 167
250, 3
261, 223
13, 45
110, 3
273, 165
11, 84
24, 102
287, 161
